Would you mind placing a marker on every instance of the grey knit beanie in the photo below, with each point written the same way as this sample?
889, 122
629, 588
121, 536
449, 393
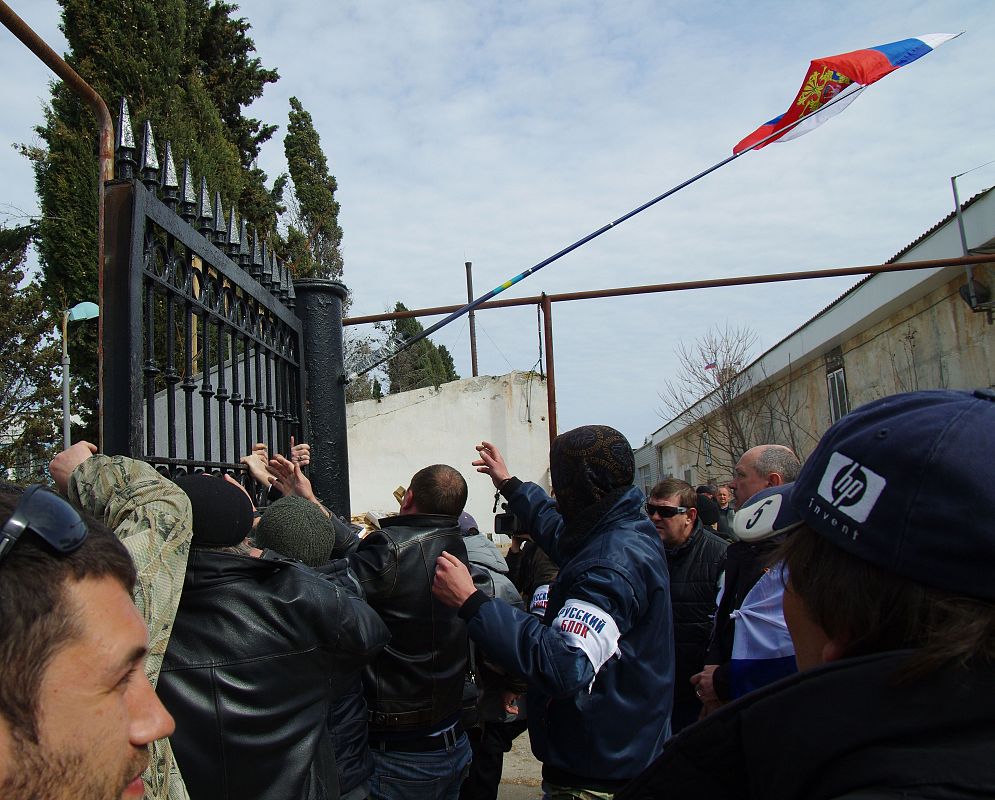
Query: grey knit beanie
297, 528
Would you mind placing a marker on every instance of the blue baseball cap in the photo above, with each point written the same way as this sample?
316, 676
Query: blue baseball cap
768, 513
905, 483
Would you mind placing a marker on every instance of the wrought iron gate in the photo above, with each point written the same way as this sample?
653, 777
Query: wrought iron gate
202, 351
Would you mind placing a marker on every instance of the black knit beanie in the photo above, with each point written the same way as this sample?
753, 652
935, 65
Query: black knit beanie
222, 513
297, 528
586, 465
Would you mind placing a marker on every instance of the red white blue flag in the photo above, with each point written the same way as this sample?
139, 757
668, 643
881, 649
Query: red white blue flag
832, 83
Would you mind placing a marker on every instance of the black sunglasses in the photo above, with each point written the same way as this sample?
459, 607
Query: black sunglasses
665, 511
46, 515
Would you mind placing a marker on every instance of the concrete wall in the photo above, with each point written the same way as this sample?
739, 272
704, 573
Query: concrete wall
391, 439
934, 342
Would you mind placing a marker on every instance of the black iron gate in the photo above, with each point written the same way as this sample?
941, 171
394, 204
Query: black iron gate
202, 352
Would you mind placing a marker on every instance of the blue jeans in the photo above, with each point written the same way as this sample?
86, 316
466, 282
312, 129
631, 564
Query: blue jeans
435, 775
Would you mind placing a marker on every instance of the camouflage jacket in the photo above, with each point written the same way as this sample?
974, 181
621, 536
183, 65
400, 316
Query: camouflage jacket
152, 517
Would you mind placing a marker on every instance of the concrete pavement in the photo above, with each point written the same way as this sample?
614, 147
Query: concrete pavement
522, 774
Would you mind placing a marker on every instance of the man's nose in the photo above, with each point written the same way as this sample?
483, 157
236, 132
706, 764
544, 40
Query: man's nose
149, 718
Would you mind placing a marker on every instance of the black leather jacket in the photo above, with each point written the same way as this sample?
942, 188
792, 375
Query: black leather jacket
845, 729
695, 568
416, 683
250, 672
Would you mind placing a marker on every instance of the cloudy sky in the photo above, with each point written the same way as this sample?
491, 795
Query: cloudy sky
499, 132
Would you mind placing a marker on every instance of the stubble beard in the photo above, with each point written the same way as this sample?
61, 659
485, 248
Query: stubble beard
42, 774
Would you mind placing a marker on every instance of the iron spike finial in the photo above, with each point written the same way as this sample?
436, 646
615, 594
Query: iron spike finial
188, 197
125, 133
257, 257
243, 244
150, 161
277, 276
218, 220
267, 274
170, 184
233, 234
125, 148
205, 215
274, 275
285, 282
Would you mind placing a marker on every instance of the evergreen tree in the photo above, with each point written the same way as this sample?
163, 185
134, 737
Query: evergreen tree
313, 244
30, 408
188, 67
422, 364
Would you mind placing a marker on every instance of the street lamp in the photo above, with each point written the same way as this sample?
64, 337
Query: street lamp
80, 311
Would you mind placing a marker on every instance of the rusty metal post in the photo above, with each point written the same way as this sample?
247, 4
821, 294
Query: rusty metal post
473, 322
547, 324
105, 148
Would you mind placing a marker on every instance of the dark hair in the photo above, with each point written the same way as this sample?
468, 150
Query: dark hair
872, 610
36, 617
687, 496
439, 489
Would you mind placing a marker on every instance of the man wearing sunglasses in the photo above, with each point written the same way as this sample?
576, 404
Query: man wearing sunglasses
695, 559
77, 712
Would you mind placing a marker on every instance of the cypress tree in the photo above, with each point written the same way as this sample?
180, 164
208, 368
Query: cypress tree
29, 356
188, 67
313, 244
423, 364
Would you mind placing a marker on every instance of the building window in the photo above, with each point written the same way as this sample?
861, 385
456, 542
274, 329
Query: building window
839, 403
646, 479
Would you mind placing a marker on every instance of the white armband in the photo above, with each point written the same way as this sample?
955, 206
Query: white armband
592, 630
539, 601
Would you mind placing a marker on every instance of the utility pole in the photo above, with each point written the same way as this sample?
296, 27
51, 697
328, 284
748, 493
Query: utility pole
473, 324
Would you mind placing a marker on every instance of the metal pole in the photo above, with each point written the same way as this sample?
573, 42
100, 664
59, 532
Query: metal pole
963, 243
105, 150
319, 307
379, 359
473, 323
66, 438
547, 323
680, 286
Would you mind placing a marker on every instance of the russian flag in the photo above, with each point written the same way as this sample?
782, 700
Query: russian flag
762, 650
832, 83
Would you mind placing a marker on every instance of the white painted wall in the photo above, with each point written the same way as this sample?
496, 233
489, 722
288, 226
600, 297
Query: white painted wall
391, 439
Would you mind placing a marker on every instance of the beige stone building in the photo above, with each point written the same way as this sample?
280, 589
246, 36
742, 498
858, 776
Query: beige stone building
892, 332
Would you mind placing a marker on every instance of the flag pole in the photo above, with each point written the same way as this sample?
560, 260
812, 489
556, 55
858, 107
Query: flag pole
380, 359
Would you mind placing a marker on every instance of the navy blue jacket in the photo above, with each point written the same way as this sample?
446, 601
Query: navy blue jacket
600, 734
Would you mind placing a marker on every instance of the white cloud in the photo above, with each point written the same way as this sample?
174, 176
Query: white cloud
501, 132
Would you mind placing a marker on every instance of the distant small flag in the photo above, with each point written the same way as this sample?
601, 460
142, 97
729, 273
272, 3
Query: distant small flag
838, 80
711, 365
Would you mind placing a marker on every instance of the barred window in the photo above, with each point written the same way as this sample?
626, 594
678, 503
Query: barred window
839, 402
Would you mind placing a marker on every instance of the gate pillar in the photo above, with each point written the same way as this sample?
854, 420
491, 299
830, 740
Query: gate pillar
319, 307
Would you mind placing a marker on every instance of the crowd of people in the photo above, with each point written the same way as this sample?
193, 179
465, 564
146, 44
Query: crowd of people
809, 630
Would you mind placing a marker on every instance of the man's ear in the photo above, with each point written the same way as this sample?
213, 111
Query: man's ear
775, 479
692, 514
407, 502
833, 651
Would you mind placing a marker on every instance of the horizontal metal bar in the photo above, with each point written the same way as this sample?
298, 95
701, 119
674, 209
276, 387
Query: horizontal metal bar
745, 280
